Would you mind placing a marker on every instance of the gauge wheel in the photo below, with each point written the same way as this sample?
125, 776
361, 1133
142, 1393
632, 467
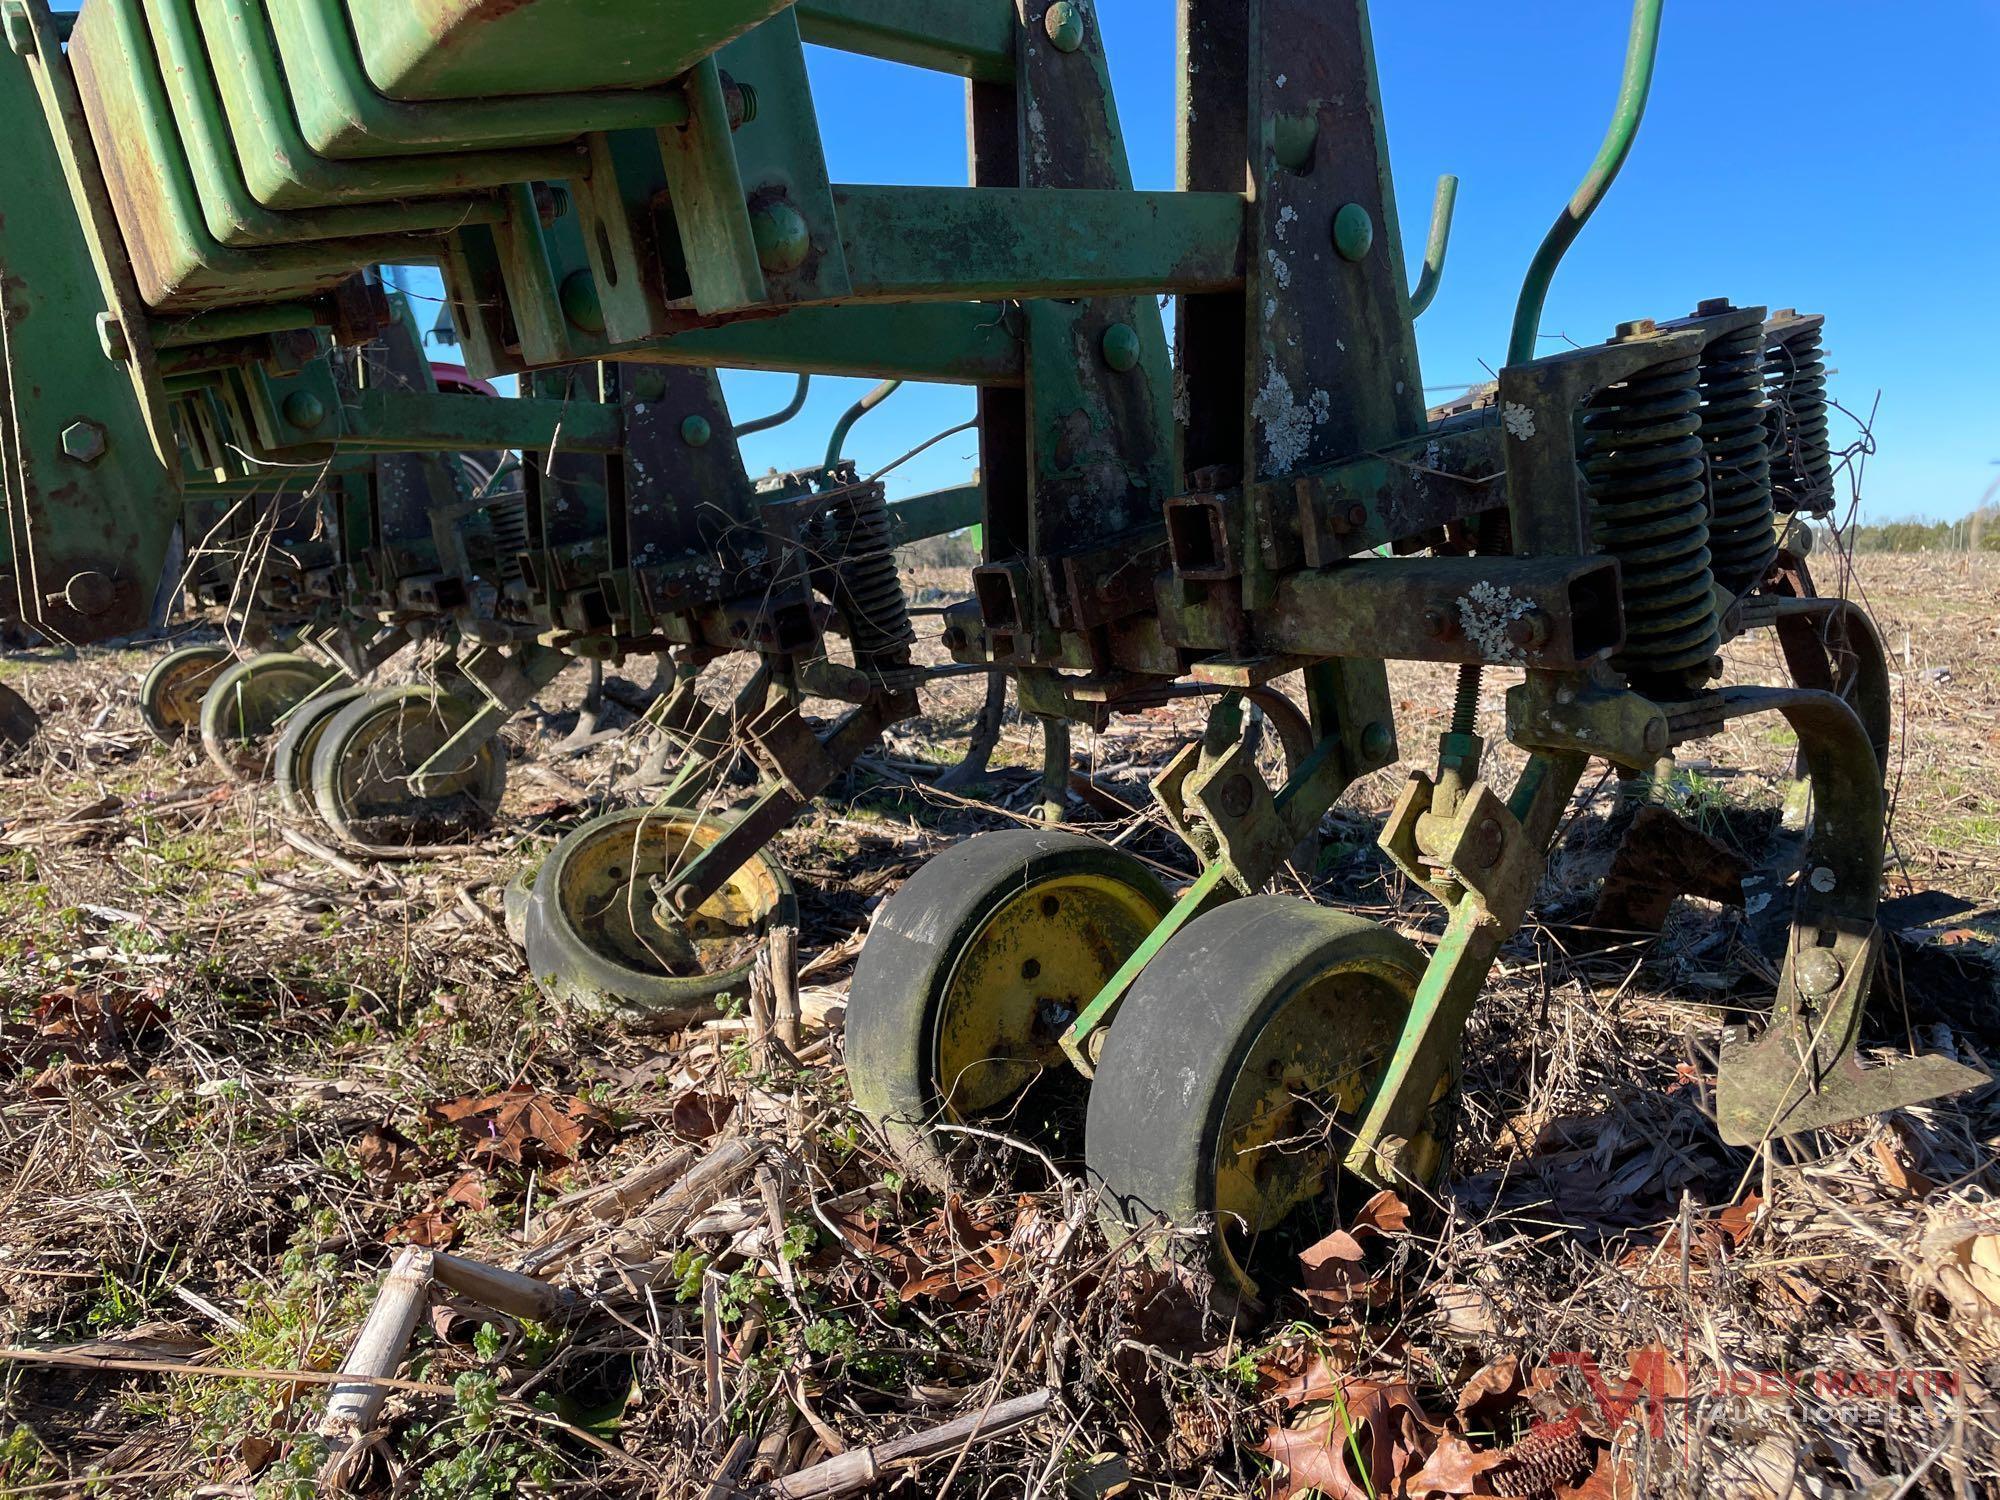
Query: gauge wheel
170, 697
368, 752
596, 933
973, 971
292, 757
1234, 1074
246, 706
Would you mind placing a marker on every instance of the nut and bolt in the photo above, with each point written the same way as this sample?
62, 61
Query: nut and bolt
1120, 347
1353, 232
83, 441
1064, 24
1708, 307
1440, 623
695, 431
1818, 973
1530, 632
304, 410
1638, 328
1488, 840
783, 241
111, 339
1378, 741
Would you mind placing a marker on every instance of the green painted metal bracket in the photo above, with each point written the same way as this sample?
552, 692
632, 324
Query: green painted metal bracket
1641, 51
279, 164
972, 38
473, 49
1495, 851
89, 504
344, 115
939, 513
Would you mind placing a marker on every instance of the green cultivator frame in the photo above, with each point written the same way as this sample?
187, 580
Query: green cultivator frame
622, 199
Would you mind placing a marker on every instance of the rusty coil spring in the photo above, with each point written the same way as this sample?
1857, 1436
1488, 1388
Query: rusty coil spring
1742, 538
852, 536
509, 518
1801, 456
1649, 508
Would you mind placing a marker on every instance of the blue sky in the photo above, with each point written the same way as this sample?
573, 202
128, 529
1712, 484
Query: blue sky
1840, 156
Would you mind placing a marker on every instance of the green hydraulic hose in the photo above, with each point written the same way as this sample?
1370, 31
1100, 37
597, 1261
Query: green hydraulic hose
777, 418
838, 442
1440, 241
1640, 53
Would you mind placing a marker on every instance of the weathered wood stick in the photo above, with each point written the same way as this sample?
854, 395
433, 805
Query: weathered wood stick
858, 1468
377, 1350
504, 1291
786, 1017
722, 1486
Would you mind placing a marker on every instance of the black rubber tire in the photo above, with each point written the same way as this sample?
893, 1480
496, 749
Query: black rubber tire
385, 826
566, 963
180, 668
292, 756
1180, 1040
238, 736
914, 946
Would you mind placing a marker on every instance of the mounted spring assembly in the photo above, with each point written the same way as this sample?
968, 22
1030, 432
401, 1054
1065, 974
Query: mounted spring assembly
1642, 459
1795, 378
1741, 535
854, 547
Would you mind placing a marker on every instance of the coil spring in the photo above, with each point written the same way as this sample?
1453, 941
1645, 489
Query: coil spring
1742, 536
1649, 507
509, 513
1801, 457
853, 535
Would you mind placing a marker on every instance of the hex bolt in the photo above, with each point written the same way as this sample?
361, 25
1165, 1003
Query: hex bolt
1818, 973
552, 202
1440, 623
1064, 24
695, 431
1120, 347
1530, 632
84, 442
783, 241
111, 339
1638, 328
1353, 232
1708, 307
304, 410
1377, 740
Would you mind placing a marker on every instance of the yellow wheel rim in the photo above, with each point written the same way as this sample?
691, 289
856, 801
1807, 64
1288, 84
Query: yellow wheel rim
1301, 1089
608, 896
177, 697
1036, 960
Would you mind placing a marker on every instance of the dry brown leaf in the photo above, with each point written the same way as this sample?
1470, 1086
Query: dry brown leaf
700, 1116
525, 1127
1384, 1213
1363, 1447
1454, 1468
1496, 1385
386, 1156
1905, 1180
